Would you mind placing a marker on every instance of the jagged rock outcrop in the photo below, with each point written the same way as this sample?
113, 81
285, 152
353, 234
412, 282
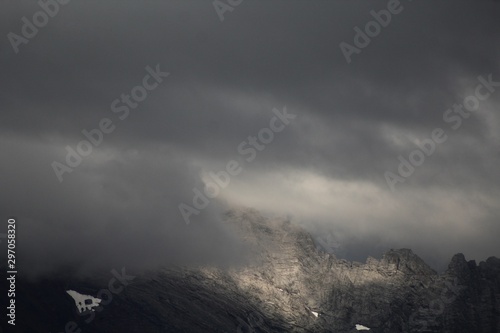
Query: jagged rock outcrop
287, 286
399, 293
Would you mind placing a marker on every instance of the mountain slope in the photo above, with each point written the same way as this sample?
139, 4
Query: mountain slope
287, 286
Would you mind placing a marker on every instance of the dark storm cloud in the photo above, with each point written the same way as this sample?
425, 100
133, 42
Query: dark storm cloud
117, 211
353, 120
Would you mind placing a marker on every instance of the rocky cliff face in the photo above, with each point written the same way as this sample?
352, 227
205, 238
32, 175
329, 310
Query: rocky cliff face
289, 286
399, 293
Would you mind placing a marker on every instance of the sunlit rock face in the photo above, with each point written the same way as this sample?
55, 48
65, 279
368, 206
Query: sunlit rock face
398, 293
288, 285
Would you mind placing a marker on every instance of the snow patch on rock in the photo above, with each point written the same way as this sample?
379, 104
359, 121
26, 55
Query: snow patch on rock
362, 328
84, 302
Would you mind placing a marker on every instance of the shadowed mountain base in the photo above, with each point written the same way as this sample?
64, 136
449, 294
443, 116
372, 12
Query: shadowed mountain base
288, 286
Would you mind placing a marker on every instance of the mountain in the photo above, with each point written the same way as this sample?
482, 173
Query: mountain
288, 286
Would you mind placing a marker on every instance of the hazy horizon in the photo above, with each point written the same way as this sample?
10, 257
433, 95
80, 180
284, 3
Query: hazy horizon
369, 143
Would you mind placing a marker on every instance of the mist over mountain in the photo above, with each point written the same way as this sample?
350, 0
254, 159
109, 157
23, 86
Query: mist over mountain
288, 286
213, 85
129, 130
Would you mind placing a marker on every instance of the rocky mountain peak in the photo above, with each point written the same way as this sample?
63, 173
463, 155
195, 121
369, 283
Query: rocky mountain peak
459, 267
291, 287
406, 261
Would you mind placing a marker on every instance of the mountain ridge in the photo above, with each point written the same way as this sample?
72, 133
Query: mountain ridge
288, 286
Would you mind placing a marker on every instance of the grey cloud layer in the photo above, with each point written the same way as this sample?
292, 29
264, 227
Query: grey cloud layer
353, 121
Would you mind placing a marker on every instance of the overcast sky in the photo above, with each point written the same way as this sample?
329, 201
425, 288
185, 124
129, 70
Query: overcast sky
326, 168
